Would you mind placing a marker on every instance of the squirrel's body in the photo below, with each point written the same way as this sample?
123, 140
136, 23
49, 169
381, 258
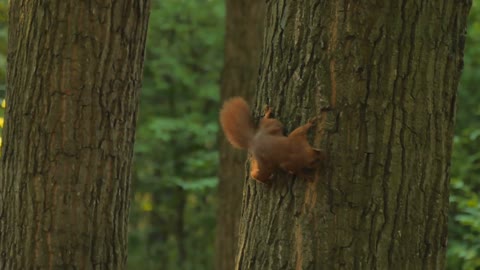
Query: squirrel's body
269, 148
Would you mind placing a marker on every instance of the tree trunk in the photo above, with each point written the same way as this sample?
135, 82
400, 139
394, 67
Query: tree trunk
389, 73
244, 25
74, 75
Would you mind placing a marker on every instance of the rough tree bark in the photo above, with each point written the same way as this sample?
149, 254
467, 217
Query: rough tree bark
389, 71
74, 75
244, 25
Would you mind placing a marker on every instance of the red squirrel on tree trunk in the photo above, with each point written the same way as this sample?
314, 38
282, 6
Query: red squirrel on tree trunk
268, 147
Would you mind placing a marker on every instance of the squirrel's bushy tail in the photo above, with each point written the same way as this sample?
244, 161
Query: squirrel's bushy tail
237, 123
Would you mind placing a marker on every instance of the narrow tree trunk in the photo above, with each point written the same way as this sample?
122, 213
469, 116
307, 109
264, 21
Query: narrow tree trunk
244, 25
389, 71
74, 75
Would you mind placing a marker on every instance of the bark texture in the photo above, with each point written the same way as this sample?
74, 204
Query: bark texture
389, 71
74, 76
243, 40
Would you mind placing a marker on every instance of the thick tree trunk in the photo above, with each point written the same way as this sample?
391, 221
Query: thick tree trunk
74, 75
244, 25
389, 72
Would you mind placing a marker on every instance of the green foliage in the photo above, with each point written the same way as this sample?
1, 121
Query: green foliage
464, 223
464, 230
176, 160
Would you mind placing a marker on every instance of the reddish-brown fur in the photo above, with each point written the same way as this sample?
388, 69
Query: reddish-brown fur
268, 147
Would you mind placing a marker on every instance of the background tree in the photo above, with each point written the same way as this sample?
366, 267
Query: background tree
390, 72
74, 75
244, 25
176, 156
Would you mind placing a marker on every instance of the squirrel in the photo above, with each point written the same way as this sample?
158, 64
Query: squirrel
268, 147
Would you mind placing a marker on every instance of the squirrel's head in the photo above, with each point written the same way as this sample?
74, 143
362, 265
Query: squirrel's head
271, 126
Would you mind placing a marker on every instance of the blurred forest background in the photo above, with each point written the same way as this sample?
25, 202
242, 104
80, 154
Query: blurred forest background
172, 219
